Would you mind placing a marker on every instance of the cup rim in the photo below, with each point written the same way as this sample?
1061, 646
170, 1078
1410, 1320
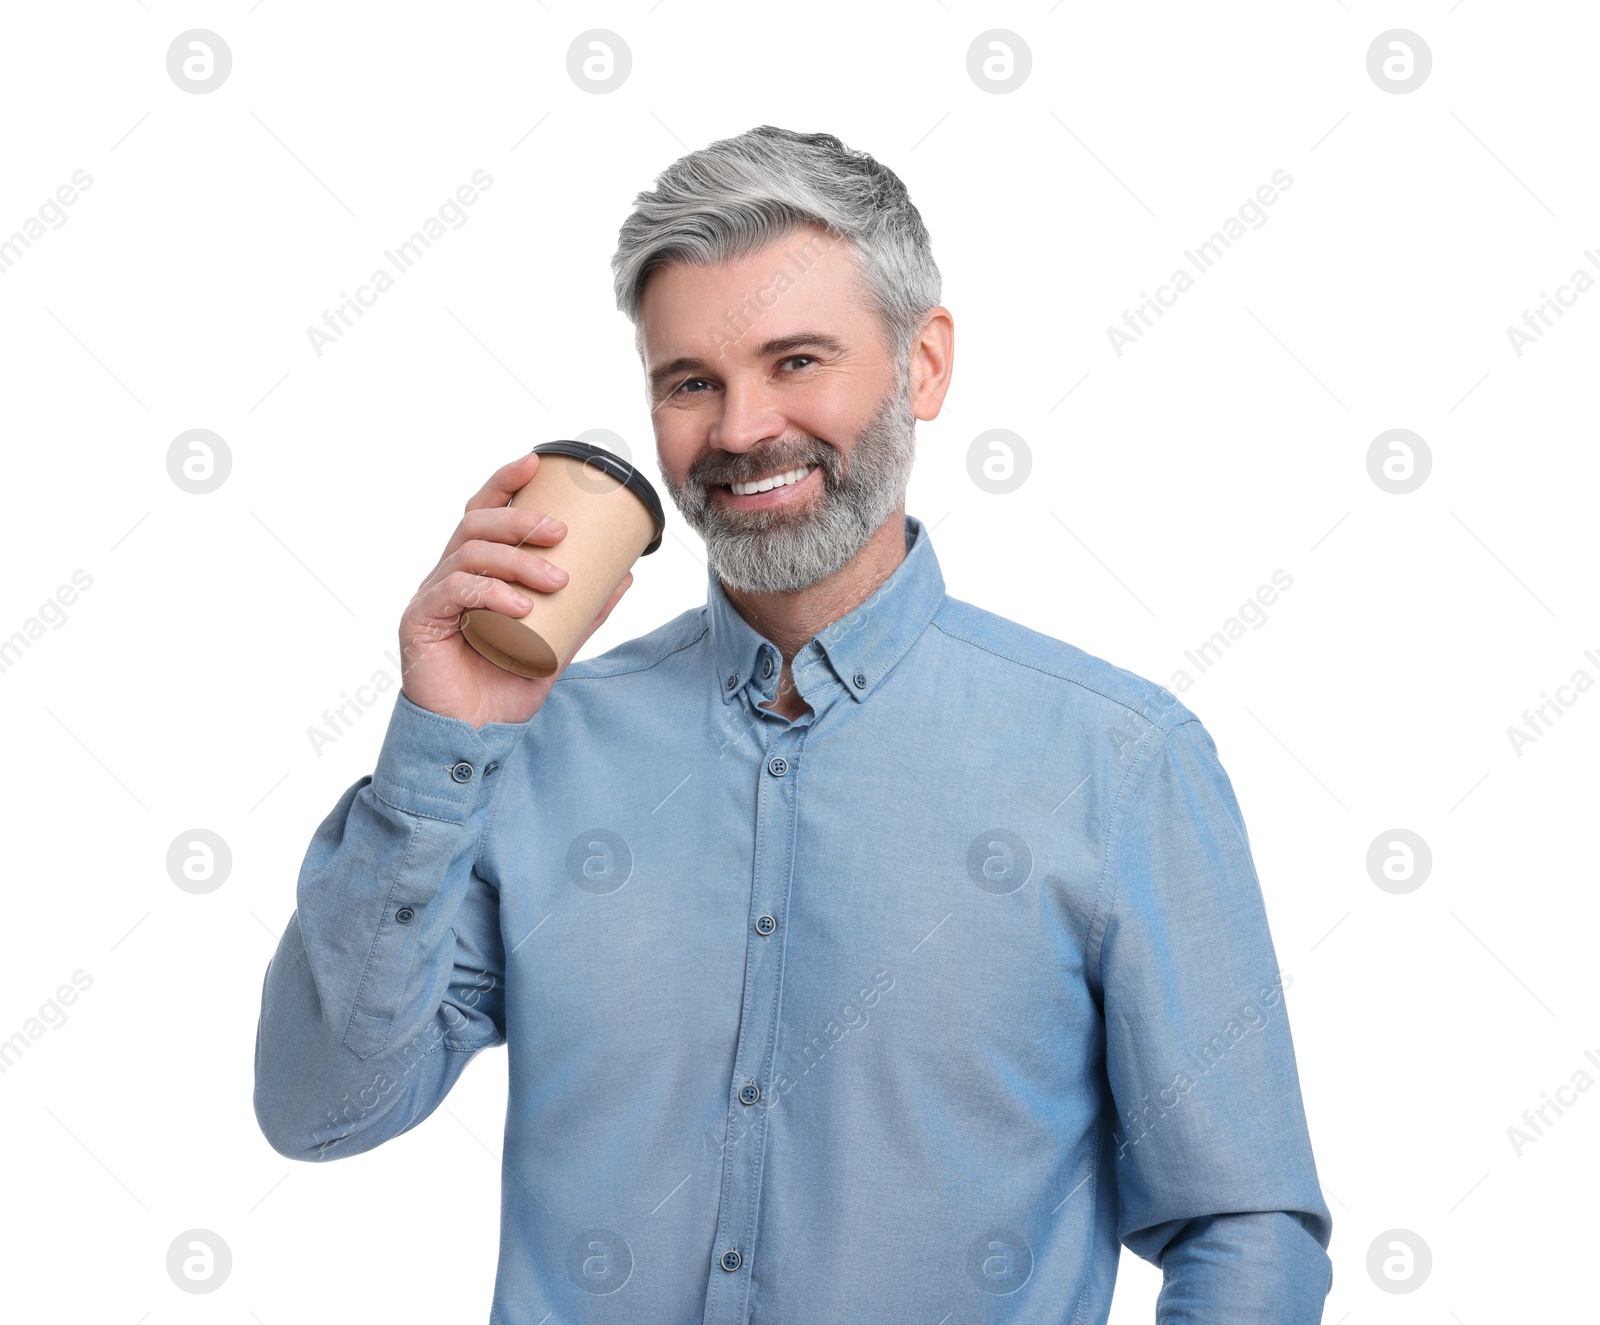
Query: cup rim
619, 469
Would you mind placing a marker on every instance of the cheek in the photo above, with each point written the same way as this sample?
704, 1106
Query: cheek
835, 410
675, 450
832, 421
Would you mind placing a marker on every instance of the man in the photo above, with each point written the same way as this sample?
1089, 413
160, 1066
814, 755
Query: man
862, 956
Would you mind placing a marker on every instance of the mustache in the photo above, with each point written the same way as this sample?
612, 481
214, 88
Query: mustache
724, 468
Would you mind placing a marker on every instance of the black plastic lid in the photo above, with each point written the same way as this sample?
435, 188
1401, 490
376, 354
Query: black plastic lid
619, 469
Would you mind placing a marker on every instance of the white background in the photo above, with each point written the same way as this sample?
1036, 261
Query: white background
1167, 484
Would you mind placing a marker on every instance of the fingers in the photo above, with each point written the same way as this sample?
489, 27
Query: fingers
503, 561
438, 607
494, 496
514, 525
504, 482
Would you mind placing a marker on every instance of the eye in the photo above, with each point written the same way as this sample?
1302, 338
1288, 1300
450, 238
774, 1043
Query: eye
686, 382
794, 357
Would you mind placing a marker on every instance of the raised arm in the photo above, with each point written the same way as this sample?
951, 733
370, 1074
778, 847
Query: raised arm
390, 974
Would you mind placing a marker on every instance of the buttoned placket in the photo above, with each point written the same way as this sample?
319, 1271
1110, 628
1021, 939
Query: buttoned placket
753, 1087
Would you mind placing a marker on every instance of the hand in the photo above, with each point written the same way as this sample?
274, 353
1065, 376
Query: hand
486, 564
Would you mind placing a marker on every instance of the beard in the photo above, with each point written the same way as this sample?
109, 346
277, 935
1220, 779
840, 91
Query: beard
785, 549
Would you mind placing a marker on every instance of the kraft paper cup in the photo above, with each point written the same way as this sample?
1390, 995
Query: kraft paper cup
613, 517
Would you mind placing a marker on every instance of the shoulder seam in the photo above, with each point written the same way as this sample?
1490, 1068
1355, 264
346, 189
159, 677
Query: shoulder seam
1059, 676
1130, 785
1103, 906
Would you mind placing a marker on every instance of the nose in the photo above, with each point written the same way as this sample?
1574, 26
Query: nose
749, 418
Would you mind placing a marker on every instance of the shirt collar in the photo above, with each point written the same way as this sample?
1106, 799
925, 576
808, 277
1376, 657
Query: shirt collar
860, 647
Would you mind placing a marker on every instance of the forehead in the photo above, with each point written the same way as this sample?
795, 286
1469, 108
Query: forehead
807, 279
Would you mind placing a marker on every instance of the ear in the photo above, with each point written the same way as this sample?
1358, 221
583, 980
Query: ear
932, 361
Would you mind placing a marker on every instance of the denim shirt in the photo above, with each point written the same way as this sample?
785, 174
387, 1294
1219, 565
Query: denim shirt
909, 1009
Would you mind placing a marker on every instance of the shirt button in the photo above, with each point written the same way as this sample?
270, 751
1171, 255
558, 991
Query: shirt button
490, 767
765, 924
404, 915
777, 766
749, 1093
731, 1260
860, 678
462, 772
766, 668
733, 680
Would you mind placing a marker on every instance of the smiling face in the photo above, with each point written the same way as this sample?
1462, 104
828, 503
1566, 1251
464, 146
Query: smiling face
772, 372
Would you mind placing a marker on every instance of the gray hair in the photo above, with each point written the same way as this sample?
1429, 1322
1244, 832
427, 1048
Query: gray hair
741, 194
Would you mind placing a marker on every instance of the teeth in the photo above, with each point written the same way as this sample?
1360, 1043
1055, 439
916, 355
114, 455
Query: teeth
775, 481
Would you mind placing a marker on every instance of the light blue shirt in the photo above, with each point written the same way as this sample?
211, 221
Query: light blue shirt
907, 1010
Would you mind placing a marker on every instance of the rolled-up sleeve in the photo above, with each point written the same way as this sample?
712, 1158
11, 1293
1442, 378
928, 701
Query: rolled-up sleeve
1213, 1166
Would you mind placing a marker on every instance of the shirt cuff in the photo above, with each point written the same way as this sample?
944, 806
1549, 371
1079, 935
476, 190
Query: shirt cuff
435, 766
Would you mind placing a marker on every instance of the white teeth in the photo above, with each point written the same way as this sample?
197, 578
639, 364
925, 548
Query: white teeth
775, 481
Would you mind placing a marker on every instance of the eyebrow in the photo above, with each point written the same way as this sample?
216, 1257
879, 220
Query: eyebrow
777, 345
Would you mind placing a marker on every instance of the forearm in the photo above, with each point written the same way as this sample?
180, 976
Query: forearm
387, 977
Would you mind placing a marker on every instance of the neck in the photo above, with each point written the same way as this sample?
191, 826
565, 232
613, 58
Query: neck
790, 620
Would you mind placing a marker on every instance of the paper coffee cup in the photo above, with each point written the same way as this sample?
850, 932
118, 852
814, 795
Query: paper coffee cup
613, 517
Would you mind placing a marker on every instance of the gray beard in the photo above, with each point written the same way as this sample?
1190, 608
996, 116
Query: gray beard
781, 551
